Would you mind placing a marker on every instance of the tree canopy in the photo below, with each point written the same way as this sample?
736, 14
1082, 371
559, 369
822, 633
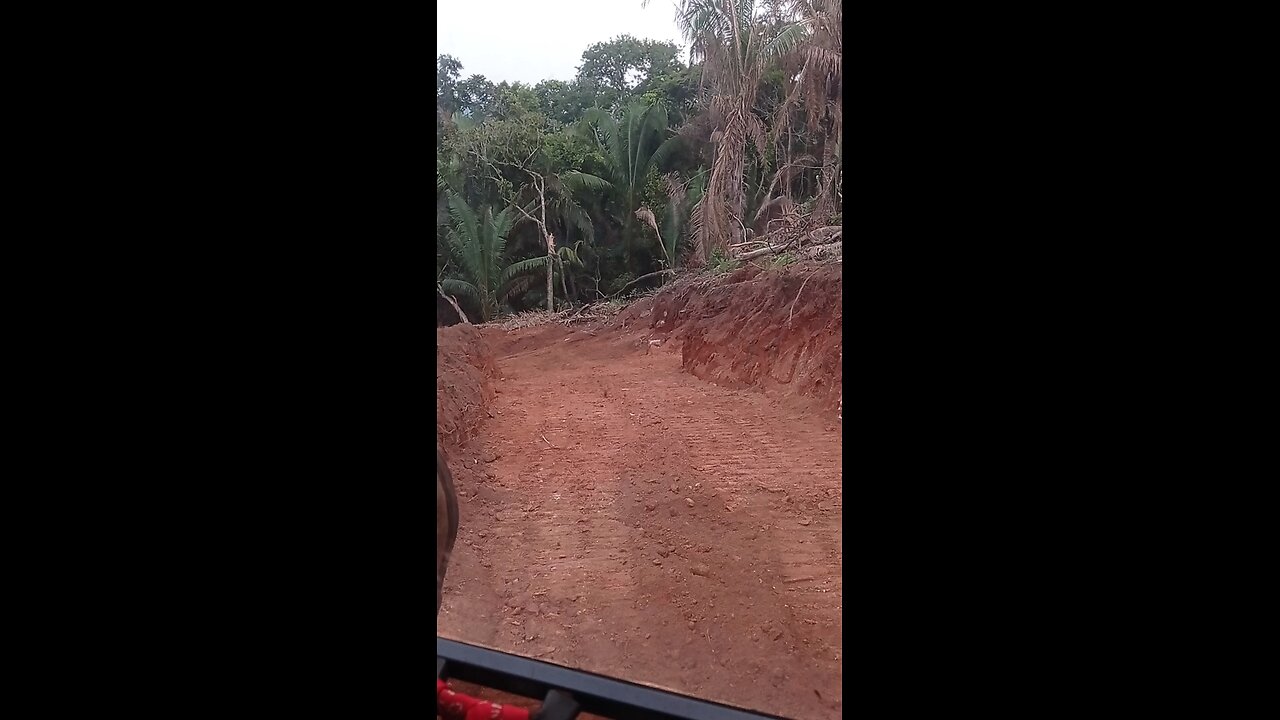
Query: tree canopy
568, 191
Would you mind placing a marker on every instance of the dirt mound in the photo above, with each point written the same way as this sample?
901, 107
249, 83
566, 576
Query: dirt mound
774, 330
464, 370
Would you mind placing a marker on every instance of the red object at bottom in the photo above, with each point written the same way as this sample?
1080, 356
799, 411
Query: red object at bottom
456, 706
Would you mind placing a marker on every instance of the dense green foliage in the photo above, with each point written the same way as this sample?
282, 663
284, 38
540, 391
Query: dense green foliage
640, 163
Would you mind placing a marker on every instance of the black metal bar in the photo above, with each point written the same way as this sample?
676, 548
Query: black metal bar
558, 705
597, 694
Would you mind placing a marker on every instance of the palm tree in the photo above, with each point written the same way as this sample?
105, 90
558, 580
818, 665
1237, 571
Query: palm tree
632, 148
477, 241
553, 205
684, 206
734, 47
813, 40
724, 35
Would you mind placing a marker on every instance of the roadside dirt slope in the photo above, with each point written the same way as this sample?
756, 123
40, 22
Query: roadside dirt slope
464, 372
775, 331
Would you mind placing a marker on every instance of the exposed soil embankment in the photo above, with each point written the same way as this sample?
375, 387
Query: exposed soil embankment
779, 331
774, 330
464, 370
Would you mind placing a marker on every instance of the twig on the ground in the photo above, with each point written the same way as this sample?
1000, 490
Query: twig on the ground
545, 440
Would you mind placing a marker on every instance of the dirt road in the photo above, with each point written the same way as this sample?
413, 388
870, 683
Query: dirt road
624, 517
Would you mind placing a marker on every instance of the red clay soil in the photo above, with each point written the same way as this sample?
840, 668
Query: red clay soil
776, 331
464, 370
624, 516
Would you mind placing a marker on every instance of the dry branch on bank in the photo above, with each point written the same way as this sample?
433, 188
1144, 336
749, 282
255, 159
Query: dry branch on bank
600, 310
787, 238
461, 315
828, 251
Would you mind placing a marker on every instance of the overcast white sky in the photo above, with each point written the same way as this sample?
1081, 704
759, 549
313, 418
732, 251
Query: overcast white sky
534, 40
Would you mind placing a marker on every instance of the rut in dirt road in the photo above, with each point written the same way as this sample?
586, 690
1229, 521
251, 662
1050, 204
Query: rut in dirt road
623, 517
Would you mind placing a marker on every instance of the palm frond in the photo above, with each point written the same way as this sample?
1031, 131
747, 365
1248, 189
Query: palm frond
575, 216
498, 227
453, 286
570, 255
755, 130
516, 286
787, 39
653, 126
676, 189
522, 267
597, 124
668, 146
502, 223
579, 181
697, 216
468, 254
464, 217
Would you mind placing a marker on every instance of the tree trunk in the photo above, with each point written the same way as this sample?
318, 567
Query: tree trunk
551, 262
550, 287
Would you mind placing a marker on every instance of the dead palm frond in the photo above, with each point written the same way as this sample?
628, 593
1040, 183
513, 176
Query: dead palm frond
735, 41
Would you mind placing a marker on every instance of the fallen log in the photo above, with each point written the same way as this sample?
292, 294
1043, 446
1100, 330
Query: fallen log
823, 235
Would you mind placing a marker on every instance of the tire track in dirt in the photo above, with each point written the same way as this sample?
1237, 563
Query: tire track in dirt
623, 517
